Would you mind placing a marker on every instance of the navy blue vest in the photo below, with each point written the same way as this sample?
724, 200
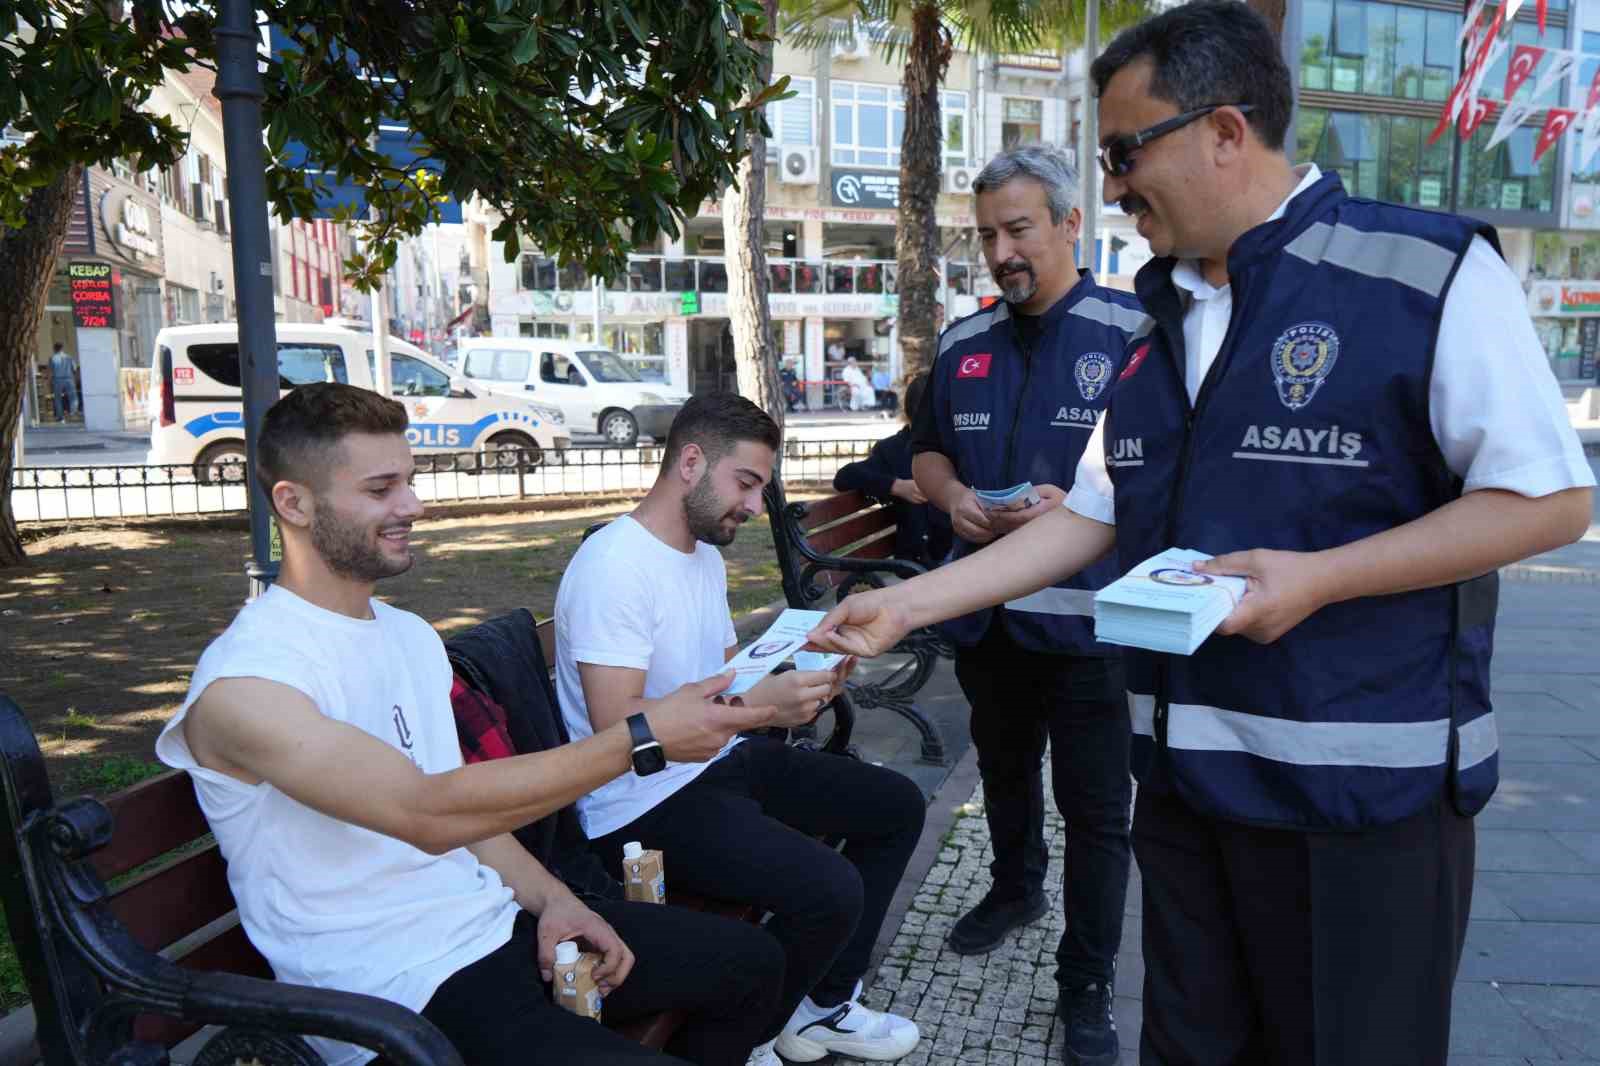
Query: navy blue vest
1006, 415
1310, 431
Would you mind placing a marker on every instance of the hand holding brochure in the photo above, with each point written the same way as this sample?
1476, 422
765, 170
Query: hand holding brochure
1005, 499
1164, 605
783, 638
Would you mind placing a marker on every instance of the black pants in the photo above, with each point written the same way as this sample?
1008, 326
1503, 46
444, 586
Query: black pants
725, 974
745, 830
1270, 946
1019, 699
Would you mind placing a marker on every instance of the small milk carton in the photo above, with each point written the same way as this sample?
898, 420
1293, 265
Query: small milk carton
644, 875
574, 981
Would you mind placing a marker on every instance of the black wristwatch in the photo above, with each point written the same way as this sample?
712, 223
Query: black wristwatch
648, 756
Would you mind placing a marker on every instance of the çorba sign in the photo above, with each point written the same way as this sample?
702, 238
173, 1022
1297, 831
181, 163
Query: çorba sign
92, 287
130, 225
1547, 299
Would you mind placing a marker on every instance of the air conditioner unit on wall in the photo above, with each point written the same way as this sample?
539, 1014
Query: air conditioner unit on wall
958, 180
797, 165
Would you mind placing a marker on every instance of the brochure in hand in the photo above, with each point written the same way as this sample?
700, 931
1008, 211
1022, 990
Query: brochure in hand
1164, 605
784, 638
1004, 499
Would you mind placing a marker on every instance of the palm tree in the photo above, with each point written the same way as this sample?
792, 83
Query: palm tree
925, 33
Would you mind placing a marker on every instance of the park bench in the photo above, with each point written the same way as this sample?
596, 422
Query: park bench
827, 549
125, 973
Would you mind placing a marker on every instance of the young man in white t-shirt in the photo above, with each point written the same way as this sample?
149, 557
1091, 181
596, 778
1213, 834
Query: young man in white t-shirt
643, 608
364, 856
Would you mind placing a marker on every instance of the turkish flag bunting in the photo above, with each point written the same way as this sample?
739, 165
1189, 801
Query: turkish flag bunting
1594, 91
1472, 117
1556, 124
1524, 60
1543, 7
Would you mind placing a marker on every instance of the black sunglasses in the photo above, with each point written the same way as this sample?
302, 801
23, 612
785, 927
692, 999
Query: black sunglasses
1116, 155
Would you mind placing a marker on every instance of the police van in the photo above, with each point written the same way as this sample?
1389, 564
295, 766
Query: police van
197, 407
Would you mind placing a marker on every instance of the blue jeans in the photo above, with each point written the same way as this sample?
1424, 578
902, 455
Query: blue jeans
64, 398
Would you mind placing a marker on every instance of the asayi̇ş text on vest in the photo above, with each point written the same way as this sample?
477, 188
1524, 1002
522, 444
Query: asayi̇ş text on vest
1310, 431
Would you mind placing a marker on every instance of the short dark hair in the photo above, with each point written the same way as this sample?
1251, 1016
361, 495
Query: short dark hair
719, 422
302, 429
1208, 52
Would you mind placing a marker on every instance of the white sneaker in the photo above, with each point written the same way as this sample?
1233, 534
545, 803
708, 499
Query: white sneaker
763, 1055
851, 1030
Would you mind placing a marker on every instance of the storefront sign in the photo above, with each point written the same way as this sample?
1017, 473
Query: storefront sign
1556, 299
690, 304
91, 286
1430, 192
668, 305
1588, 347
866, 188
131, 225
859, 216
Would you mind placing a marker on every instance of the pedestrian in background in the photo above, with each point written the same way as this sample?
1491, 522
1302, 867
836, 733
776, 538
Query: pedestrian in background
63, 382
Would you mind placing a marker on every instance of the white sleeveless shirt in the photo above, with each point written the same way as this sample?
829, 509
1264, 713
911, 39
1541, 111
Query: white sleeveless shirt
330, 904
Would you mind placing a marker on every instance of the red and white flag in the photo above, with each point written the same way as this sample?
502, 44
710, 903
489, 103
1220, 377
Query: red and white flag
1484, 49
1524, 60
1556, 124
1590, 141
1470, 23
1472, 117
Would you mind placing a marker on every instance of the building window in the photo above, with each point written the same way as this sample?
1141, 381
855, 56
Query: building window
1384, 157
1074, 121
953, 109
536, 272
868, 121
641, 347
183, 305
1379, 49
793, 121
1021, 121
1506, 178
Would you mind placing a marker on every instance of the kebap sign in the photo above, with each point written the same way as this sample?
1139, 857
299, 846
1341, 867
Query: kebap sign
92, 286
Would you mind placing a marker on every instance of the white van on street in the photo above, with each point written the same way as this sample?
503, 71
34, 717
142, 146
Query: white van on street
595, 389
197, 407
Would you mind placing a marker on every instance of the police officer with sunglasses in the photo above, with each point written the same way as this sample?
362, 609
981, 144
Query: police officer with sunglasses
1345, 402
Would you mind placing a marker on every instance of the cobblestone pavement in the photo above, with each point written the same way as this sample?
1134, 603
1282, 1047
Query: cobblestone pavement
996, 1009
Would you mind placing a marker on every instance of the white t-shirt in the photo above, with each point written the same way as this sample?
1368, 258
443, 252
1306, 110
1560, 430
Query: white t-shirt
328, 903
630, 599
1495, 408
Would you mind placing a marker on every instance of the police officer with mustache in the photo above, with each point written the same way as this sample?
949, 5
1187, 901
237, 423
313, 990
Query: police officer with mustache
1015, 393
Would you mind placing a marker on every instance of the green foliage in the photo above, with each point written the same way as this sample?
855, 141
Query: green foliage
13, 991
101, 777
589, 125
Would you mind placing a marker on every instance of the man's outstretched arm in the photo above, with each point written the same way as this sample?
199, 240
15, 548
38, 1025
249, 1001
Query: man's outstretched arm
1044, 551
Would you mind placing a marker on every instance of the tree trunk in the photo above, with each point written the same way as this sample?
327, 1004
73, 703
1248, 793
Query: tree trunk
744, 208
27, 263
921, 170
1273, 11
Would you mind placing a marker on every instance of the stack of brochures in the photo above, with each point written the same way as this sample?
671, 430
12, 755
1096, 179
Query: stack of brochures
1164, 605
1023, 495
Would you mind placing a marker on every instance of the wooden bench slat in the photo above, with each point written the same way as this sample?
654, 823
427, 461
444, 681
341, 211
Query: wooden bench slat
152, 818
832, 540
169, 903
229, 951
822, 512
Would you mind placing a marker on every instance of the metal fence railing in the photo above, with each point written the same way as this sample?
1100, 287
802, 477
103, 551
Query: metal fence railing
58, 493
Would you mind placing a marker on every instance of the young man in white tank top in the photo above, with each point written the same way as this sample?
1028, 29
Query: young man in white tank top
364, 856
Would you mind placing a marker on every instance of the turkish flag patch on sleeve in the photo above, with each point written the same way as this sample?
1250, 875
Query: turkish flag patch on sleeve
974, 366
1133, 364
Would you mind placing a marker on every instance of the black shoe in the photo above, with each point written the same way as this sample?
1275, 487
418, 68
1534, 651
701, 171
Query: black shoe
1091, 1031
984, 927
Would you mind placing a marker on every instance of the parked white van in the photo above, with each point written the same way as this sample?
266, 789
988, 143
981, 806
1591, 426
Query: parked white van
197, 407
594, 388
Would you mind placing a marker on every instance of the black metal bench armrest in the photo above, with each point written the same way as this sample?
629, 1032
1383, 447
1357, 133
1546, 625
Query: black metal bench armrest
138, 981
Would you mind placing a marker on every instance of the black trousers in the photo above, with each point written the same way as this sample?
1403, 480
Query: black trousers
1019, 700
725, 974
1271, 946
745, 830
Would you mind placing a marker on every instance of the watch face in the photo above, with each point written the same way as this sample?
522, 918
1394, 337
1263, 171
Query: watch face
649, 759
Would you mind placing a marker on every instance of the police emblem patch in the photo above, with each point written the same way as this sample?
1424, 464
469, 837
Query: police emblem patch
1092, 373
1302, 358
